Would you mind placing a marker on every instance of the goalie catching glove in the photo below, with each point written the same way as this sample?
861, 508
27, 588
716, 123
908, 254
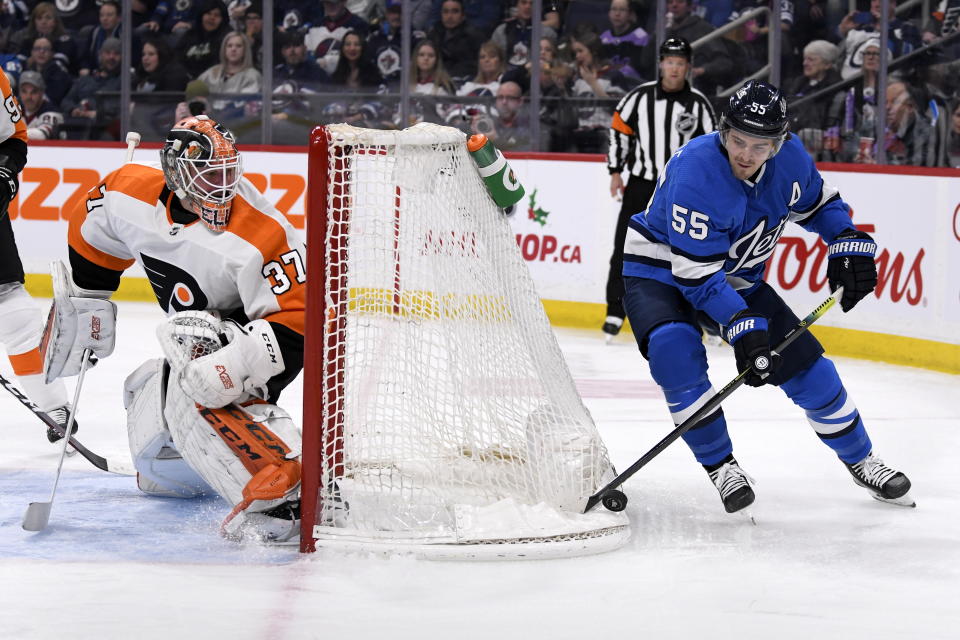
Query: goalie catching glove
78, 320
218, 362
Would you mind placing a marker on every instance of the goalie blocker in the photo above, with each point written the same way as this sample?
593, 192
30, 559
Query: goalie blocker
78, 320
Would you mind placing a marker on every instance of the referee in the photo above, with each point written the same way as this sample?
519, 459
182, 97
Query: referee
649, 124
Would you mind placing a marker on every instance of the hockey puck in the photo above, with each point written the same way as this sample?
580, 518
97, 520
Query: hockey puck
614, 500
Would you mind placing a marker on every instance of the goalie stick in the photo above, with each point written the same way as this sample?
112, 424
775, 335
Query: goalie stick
614, 499
98, 461
37, 515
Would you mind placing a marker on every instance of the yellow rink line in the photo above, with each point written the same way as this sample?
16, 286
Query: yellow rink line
867, 345
914, 352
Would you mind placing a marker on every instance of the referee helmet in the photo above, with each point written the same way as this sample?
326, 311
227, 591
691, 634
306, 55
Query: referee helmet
679, 47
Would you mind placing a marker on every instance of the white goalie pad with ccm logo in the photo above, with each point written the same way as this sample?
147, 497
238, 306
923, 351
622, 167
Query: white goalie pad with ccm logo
75, 323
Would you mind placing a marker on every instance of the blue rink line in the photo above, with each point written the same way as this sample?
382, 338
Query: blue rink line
101, 516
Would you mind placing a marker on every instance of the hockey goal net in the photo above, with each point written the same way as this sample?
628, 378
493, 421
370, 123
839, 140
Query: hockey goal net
439, 415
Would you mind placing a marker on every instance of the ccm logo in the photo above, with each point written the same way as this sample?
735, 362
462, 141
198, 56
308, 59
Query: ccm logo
95, 327
268, 343
224, 376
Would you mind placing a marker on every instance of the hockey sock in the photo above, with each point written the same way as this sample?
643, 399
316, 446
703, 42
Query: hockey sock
678, 363
20, 327
830, 411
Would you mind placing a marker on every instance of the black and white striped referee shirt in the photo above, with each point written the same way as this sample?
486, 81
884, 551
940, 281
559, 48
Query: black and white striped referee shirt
649, 124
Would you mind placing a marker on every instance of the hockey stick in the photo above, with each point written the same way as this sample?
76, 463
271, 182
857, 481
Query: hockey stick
614, 499
37, 515
98, 461
133, 139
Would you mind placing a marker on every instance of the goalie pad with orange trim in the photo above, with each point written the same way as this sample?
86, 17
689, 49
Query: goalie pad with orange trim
229, 446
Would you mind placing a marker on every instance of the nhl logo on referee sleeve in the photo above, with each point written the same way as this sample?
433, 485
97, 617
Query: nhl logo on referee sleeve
686, 123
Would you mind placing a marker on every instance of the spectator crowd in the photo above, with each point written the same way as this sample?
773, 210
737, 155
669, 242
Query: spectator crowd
470, 67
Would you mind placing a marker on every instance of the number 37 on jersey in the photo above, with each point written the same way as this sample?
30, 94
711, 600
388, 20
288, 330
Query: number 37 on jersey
282, 273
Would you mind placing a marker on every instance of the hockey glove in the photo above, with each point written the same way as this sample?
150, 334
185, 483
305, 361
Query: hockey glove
747, 334
75, 323
852, 267
219, 362
9, 186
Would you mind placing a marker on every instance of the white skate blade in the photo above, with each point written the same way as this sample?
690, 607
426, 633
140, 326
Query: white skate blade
745, 514
906, 500
609, 338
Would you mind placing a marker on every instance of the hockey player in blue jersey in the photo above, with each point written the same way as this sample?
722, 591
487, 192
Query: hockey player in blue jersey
700, 248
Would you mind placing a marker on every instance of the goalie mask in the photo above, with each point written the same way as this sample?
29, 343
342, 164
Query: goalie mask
202, 166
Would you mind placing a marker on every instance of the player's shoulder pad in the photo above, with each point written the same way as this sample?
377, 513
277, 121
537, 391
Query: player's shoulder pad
700, 178
794, 155
253, 196
140, 180
251, 205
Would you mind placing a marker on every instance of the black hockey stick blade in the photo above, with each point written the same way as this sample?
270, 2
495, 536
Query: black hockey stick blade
99, 462
711, 404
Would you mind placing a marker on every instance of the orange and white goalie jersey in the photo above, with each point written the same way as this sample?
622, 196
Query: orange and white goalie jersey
256, 269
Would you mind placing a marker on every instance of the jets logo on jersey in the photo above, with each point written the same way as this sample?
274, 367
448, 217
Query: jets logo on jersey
176, 290
755, 246
686, 123
388, 62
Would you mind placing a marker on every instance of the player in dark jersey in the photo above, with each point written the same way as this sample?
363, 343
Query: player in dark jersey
719, 208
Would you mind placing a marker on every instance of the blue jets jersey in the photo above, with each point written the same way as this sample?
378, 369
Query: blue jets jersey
710, 235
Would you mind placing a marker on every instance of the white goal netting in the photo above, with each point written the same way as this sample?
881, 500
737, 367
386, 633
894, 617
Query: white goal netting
450, 422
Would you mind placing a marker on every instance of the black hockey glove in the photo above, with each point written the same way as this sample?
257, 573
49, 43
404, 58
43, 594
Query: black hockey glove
747, 334
9, 185
851, 266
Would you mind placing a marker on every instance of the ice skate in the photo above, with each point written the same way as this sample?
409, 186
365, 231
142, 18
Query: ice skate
279, 525
733, 484
60, 415
611, 327
884, 484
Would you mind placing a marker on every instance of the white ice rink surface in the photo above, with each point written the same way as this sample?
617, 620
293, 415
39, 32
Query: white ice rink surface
823, 561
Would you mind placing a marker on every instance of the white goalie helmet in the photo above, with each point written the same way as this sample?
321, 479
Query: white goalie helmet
202, 166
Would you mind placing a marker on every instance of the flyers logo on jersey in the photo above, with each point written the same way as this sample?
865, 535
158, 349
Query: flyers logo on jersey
175, 289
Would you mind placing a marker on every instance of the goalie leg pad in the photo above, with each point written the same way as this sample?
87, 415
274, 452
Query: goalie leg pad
227, 446
161, 470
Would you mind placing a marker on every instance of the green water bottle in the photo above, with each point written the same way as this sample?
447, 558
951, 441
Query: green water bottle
501, 182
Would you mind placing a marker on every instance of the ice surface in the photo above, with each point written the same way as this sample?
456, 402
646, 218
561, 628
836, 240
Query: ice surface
824, 560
